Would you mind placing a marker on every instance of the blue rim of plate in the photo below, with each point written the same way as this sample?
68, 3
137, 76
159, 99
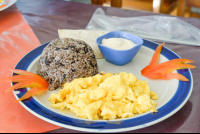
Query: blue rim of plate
178, 100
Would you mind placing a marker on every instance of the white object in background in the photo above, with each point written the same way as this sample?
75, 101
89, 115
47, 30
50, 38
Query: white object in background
156, 28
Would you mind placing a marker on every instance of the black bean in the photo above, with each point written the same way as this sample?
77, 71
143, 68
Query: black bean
56, 87
73, 70
64, 76
52, 58
47, 62
72, 47
57, 48
85, 49
65, 48
91, 64
93, 56
77, 50
61, 64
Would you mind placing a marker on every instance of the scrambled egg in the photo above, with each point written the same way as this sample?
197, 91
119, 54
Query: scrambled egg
107, 96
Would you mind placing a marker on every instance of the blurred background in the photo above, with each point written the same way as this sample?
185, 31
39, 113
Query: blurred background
184, 8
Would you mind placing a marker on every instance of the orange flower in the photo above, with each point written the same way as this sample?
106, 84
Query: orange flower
26, 79
164, 70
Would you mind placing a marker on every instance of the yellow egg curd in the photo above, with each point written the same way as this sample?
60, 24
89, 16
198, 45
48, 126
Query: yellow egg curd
108, 96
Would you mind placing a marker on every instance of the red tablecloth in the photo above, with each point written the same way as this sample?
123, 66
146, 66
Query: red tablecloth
16, 40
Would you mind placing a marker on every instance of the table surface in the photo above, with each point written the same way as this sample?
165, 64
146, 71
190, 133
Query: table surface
47, 16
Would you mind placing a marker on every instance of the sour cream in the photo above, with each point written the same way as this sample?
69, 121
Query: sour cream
118, 43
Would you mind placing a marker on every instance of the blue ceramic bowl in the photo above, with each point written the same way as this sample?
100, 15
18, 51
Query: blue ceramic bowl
119, 57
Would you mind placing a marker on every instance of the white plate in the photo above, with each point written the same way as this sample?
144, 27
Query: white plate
173, 94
